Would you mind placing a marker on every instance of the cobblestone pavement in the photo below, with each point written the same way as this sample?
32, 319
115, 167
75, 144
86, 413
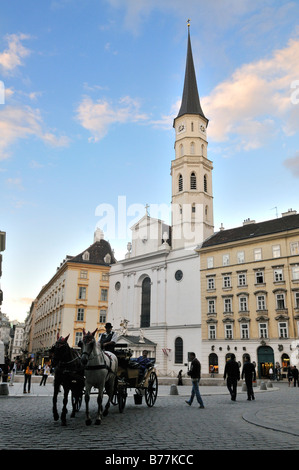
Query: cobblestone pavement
270, 422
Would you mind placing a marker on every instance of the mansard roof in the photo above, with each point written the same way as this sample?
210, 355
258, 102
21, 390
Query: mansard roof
97, 254
253, 230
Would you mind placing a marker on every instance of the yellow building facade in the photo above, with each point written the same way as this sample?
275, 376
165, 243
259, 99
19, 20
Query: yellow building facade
250, 295
75, 298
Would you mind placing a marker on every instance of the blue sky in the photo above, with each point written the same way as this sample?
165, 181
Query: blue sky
91, 90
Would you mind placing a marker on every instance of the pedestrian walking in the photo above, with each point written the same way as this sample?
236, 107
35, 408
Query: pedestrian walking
46, 373
194, 373
290, 375
249, 373
232, 372
27, 375
295, 376
180, 378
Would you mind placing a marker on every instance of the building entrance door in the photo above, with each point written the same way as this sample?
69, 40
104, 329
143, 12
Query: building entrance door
265, 358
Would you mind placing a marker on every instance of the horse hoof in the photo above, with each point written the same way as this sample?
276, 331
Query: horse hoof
88, 422
98, 421
63, 423
105, 412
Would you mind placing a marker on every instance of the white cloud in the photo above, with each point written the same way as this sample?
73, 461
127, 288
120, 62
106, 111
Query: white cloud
247, 107
98, 116
21, 123
13, 56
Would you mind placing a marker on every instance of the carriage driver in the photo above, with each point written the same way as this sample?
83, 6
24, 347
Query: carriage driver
107, 340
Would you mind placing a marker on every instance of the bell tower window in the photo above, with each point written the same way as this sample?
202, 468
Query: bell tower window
193, 181
205, 184
180, 183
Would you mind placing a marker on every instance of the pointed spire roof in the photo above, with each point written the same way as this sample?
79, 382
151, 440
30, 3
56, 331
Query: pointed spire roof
190, 100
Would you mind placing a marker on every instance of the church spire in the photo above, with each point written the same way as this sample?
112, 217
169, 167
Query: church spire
190, 100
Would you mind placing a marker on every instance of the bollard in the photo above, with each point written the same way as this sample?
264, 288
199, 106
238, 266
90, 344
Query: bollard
4, 388
263, 386
174, 390
269, 384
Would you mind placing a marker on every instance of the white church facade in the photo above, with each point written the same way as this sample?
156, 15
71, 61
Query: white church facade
155, 290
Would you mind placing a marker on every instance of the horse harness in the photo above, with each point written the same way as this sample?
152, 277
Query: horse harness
99, 366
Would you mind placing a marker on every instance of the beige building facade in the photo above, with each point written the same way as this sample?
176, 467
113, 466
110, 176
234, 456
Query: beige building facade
250, 295
76, 297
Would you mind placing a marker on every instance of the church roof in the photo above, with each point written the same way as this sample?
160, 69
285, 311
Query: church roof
131, 339
252, 230
190, 100
96, 254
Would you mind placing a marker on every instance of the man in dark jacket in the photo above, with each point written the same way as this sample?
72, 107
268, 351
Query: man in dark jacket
232, 372
249, 373
194, 373
295, 376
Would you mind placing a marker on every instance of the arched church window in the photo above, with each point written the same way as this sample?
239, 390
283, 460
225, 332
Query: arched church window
181, 150
178, 351
193, 181
192, 148
145, 317
205, 184
180, 183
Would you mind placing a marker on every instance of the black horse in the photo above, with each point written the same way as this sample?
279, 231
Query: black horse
70, 374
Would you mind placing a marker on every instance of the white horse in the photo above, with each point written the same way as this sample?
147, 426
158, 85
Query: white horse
100, 372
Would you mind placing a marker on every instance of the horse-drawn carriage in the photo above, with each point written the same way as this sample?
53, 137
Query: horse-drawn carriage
104, 371
130, 375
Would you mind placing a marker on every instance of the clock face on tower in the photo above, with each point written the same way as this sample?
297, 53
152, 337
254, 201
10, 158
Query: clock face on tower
202, 128
181, 128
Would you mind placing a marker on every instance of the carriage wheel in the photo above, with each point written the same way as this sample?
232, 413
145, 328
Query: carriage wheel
151, 391
122, 397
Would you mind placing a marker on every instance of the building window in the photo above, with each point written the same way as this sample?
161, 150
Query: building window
242, 279
104, 295
211, 306
80, 314
227, 305
263, 328
180, 183
192, 181
145, 303
225, 260
212, 331
105, 277
296, 299
78, 337
82, 293
244, 331
257, 254
210, 262
282, 330
240, 257
228, 331
85, 256
178, 351
294, 246
276, 251
243, 304
295, 273
205, 184
278, 275
83, 274
226, 281
280, 301
192, 147
261, 302
259, 277
103, 315
211, 283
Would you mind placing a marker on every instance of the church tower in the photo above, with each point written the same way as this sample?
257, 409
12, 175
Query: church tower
191, 170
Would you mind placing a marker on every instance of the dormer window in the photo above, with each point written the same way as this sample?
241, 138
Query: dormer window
85, 256
107, 258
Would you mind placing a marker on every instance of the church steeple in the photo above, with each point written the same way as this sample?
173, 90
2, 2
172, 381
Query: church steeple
191, 170
190, 101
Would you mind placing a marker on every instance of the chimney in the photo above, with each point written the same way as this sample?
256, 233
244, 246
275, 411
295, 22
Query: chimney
290, 212
248, 221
